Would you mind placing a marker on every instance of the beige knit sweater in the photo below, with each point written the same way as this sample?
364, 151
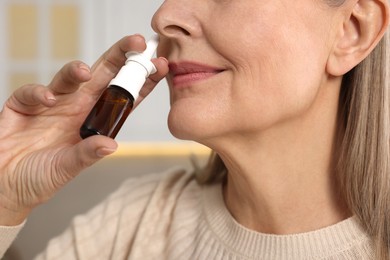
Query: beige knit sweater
170, 216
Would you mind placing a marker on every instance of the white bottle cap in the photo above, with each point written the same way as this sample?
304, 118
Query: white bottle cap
137, 69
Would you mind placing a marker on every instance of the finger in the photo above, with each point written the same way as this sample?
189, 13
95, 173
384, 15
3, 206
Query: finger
161, 64
84, 154
29, 96
69, 78
111, 61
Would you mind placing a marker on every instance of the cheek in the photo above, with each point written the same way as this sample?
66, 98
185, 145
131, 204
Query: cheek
282, 83
276, 73
277, 85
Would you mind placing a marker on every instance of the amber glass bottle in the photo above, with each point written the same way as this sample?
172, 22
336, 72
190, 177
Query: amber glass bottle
116, 102
109, 113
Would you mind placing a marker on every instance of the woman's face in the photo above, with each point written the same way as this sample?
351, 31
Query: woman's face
240, 67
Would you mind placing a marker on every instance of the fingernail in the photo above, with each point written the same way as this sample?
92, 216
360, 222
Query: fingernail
163, 58
84, 66
140, 35
103, 152
50, 97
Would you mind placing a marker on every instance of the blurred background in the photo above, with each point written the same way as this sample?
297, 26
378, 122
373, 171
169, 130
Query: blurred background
37, 38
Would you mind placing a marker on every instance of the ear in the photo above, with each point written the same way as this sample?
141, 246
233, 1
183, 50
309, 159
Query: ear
363, 27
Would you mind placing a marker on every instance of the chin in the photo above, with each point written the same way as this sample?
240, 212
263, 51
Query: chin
199, 119
182, 128
187, 125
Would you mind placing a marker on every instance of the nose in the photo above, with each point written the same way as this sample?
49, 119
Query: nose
177, 19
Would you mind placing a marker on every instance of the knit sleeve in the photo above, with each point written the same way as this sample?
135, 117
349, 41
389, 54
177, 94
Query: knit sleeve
7, 236
109, 229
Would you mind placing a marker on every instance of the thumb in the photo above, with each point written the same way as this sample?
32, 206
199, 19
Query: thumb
85, 153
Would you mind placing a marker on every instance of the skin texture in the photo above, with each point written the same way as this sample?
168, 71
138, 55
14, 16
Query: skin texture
271, 74
271, 111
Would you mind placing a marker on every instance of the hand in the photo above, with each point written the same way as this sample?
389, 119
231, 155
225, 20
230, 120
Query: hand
40, 146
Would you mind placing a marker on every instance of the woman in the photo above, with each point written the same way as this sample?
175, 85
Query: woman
292, 96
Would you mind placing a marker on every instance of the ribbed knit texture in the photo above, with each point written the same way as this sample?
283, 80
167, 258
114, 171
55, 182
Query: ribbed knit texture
345, 240
7, 236
169, 216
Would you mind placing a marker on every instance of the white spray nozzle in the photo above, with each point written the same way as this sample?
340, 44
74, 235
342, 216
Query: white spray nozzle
151, 47
138, 67
143, 58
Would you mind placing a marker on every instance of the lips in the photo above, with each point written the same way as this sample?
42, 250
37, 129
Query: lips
184, 74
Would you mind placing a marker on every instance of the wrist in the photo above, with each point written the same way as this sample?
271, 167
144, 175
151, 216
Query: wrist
12, 218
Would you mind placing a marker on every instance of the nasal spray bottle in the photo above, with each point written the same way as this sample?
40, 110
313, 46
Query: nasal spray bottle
116, 102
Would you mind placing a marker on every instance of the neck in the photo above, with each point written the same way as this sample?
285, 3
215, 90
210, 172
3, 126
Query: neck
282, 180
